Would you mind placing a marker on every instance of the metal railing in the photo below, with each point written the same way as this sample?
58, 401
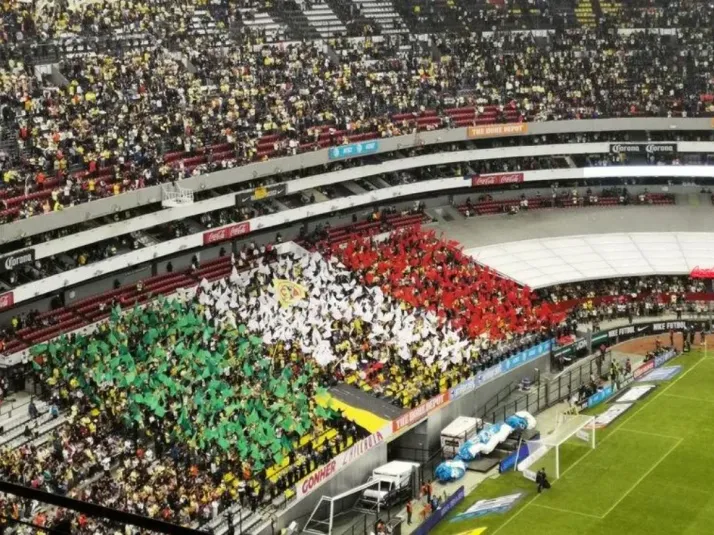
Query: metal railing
499, 397
174, 195
533, 402
428, 460
567, 383
552, 391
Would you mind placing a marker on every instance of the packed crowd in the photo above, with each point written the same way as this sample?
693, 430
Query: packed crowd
603, 300
426, 271
623, 286
179, 409
175, 416
286, 99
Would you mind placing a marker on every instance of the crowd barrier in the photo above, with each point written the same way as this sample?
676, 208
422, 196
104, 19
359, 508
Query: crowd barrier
133, 199
444, 509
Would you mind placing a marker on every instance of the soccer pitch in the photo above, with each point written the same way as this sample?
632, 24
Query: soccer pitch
651, 473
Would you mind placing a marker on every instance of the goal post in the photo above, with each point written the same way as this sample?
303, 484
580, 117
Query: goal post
573, 430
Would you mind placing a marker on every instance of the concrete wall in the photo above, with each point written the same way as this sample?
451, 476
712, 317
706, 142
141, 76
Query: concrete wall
426, 435
353, 475
472, 403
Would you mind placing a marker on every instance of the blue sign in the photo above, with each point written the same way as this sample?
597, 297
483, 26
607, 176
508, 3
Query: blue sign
430, 523
485, 507
494, 371
464, 388
602, 395
526, 356
362, 148
664, 357
510, 462
662, 374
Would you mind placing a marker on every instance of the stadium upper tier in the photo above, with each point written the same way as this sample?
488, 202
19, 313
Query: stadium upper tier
121, 25
98, 125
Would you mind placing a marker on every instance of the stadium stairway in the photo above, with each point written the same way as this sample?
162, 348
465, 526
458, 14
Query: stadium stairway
348, 12
597, 9
14, 413
15, 420
291, 15
322, 18
261, 21
384, 14
244, 520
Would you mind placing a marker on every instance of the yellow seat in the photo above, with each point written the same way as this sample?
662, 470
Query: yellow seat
272, 470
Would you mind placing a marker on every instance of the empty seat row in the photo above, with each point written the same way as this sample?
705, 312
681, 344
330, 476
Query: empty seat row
498, 206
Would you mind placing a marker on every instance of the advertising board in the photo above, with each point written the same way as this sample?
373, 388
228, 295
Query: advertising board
20, 258
362, 148
444, 509
7, 300
420, 412
643, 148
496, 179
497, 130
319, 476
226, 233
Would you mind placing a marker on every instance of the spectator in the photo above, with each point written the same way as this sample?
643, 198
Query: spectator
32, 409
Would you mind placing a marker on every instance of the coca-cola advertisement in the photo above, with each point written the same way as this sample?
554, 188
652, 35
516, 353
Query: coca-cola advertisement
226, 233
7, 300
496, 179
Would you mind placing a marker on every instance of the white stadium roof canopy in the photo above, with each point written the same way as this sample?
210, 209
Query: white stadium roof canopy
545, 262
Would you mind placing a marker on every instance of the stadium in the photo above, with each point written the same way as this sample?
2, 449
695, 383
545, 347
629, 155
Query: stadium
345, 267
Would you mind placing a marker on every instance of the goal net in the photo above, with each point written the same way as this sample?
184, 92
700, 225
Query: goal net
571, 435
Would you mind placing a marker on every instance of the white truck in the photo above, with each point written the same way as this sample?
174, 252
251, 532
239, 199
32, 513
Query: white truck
457, 432
392, 484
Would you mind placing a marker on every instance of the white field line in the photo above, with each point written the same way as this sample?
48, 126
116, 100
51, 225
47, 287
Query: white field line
622, 422
641, 479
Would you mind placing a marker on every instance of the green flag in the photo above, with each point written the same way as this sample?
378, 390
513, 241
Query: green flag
280, 390
252, 418
183, 420
255, 452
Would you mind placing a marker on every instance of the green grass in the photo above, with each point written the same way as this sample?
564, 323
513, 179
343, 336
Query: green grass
652, 472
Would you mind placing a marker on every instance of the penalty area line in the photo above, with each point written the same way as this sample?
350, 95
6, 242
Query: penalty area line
642, 478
